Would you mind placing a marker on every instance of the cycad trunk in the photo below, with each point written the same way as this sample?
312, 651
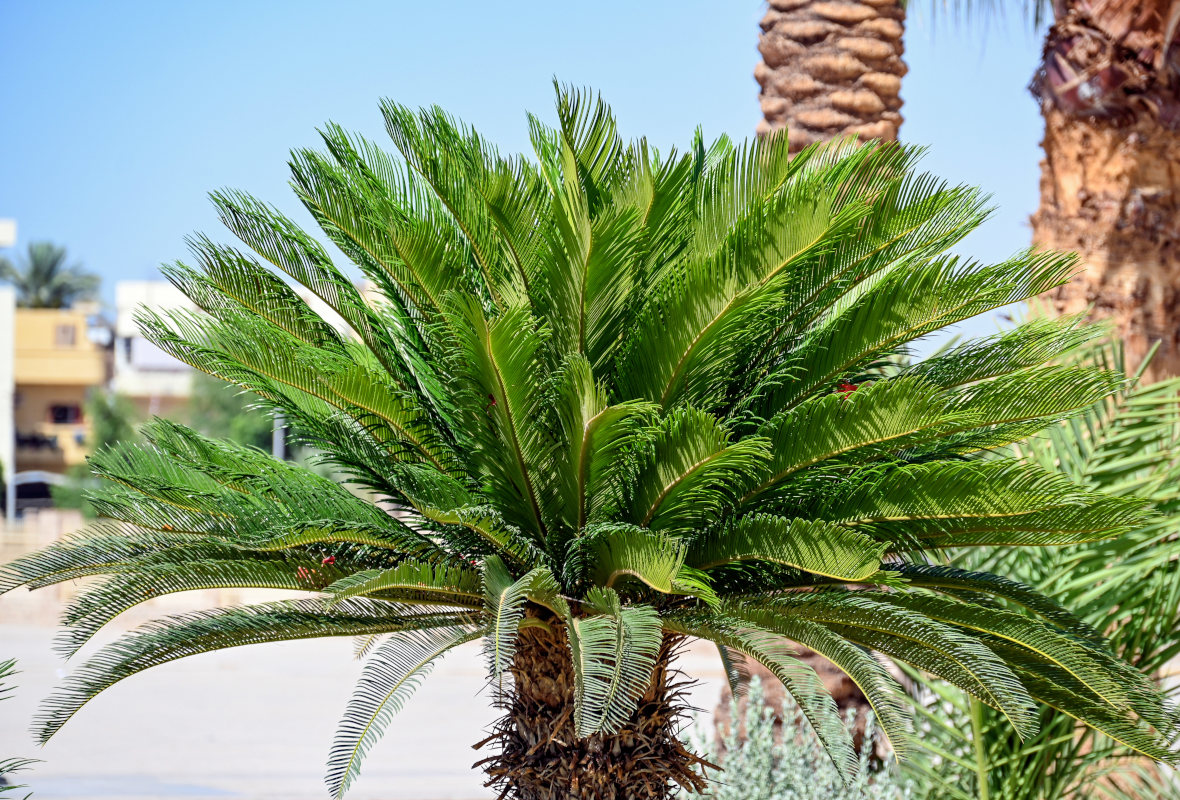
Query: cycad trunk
541, 758
831, 68
1110, 180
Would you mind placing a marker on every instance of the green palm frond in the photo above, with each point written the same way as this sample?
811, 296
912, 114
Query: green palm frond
390, 677
947, 503
693, 472
616, 397
614, 652
414, 582
869, 675
189, 570
973, 586
812, 546
946, 650
606, 554
200, 632
877, 421
780, 657
1028, 345
1124, 587
598, 435
504, 607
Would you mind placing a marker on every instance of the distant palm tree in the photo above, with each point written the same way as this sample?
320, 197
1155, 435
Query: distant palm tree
44, 280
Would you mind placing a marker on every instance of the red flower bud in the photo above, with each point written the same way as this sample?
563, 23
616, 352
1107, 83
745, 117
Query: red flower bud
329, 560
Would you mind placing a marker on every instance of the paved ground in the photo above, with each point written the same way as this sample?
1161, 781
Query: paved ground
254, 722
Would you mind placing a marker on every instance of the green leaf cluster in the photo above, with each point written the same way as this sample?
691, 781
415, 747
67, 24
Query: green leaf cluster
1124, 589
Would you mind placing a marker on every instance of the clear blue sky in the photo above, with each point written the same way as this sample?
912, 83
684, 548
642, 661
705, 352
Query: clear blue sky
116, 118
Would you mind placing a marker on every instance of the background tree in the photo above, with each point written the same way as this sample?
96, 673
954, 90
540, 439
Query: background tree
226, 412
831, 68
1127, 588
1109, 90
608, 400
44, 279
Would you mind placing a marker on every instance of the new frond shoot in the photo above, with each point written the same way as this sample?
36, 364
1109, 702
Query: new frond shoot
593, 402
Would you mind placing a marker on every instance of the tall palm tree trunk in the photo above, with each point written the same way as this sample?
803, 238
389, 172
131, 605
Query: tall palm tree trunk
1109, 89
831, 68
539, 756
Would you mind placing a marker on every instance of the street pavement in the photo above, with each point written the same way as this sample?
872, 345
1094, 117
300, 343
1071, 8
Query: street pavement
251, 722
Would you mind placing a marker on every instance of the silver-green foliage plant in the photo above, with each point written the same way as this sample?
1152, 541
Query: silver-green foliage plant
1128, 588
783, 763
601, 399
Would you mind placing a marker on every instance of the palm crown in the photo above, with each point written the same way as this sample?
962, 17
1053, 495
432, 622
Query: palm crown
619, 397
45, 280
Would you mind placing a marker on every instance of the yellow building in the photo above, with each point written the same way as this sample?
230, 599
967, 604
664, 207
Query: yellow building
55, 365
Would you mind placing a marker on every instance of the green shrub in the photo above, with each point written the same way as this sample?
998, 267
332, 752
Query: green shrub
769, 766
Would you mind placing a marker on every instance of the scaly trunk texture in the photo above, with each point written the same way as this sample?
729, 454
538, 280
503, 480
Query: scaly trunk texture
1109, 88
831, 68
540, 758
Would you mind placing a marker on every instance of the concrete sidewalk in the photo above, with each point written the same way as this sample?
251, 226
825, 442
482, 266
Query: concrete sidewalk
252, 722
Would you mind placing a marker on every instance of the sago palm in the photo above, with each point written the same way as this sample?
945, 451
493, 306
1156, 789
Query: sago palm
607, 399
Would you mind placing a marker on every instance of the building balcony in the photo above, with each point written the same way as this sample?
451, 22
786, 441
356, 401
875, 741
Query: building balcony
49, 446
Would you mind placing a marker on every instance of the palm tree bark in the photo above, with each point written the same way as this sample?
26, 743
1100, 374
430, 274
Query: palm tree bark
539, 756
831, 68
1109, 88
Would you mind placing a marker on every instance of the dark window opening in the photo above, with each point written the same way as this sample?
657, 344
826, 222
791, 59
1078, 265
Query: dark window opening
65, 414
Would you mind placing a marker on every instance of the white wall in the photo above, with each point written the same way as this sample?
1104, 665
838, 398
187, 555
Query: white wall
7, 357
130, 295
141, 369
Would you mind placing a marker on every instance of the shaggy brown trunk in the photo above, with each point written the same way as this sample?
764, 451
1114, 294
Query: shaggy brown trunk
1110, 180
831, 68
539, 756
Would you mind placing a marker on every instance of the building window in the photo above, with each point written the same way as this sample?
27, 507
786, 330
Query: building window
67, 336
65, 413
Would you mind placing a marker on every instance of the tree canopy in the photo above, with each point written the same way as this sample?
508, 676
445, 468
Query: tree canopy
44, 279
625, 395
